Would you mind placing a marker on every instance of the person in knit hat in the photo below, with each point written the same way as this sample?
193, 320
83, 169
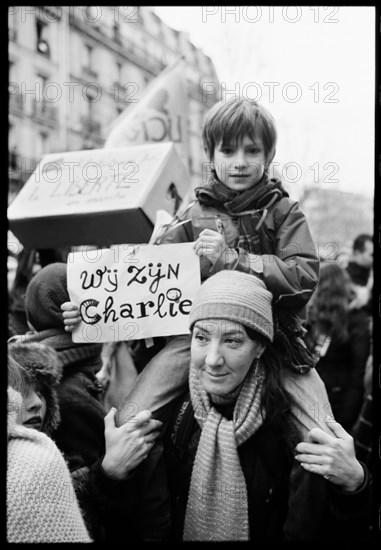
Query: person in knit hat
80, 435
230, 450
43, 374
41, 503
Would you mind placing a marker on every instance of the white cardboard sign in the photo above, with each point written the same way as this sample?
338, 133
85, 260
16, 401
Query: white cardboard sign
98, 197
130, 292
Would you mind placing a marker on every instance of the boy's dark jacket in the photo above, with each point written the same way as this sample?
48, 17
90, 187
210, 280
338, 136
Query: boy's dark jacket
317, 510
290, 263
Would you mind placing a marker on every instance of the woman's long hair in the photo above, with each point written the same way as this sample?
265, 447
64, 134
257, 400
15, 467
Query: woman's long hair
329, 305
276, 400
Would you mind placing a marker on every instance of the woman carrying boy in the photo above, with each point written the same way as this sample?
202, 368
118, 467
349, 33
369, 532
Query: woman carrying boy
241, 220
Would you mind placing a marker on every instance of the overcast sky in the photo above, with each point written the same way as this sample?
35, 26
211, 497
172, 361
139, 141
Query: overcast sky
313, 68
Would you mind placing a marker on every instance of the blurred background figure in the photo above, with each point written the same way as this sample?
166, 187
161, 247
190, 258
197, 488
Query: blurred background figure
341, 337
360, 270
360, 266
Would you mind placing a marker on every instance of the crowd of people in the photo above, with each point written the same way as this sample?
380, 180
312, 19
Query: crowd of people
254, 426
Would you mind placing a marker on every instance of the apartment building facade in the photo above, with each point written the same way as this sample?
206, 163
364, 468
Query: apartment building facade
74, 69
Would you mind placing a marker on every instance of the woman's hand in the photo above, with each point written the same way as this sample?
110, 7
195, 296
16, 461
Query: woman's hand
332, 456
71, 316
211, 244
130, 444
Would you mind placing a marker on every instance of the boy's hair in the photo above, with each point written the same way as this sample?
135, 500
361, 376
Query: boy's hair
229, 122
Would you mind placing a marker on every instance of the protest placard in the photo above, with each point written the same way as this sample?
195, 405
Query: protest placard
130, 292
98, 197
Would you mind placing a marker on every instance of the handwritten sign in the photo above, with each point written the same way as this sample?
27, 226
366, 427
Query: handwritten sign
98, 197
130, 292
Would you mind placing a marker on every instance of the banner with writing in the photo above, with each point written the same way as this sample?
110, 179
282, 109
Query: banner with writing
130, 292
161, 114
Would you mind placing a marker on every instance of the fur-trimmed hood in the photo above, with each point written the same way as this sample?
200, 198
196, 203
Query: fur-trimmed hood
43, 370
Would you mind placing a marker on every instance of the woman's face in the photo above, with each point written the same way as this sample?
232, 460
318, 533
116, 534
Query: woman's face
33, 411
223, 354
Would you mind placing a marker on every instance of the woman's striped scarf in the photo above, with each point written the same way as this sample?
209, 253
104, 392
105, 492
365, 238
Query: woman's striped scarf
217, 508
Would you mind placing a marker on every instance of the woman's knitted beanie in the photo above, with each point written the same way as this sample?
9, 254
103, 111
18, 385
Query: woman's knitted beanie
45, 294
235, 296
44, 371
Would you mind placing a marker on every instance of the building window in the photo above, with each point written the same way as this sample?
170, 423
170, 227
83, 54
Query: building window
88, 56
89, 61
11, 72
90, 103
42, 80
42, 45
12, 147
116, 30
42, 145
119, 72
12, 26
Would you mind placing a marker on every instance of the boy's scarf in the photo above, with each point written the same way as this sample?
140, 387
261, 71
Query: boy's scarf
217, 506
249, 207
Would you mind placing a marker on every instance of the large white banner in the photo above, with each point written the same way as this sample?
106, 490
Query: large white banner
161, 114
130, 292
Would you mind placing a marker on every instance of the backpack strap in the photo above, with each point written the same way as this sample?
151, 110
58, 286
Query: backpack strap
183, 426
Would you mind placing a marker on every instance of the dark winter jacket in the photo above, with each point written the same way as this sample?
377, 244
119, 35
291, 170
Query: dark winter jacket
359, 274
136, 509
286, 503
342, 369
290, 264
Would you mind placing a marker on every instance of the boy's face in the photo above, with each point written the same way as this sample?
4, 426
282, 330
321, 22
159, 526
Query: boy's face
240, 167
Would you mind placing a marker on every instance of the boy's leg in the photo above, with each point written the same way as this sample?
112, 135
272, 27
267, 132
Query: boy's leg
311, 404
161, 381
